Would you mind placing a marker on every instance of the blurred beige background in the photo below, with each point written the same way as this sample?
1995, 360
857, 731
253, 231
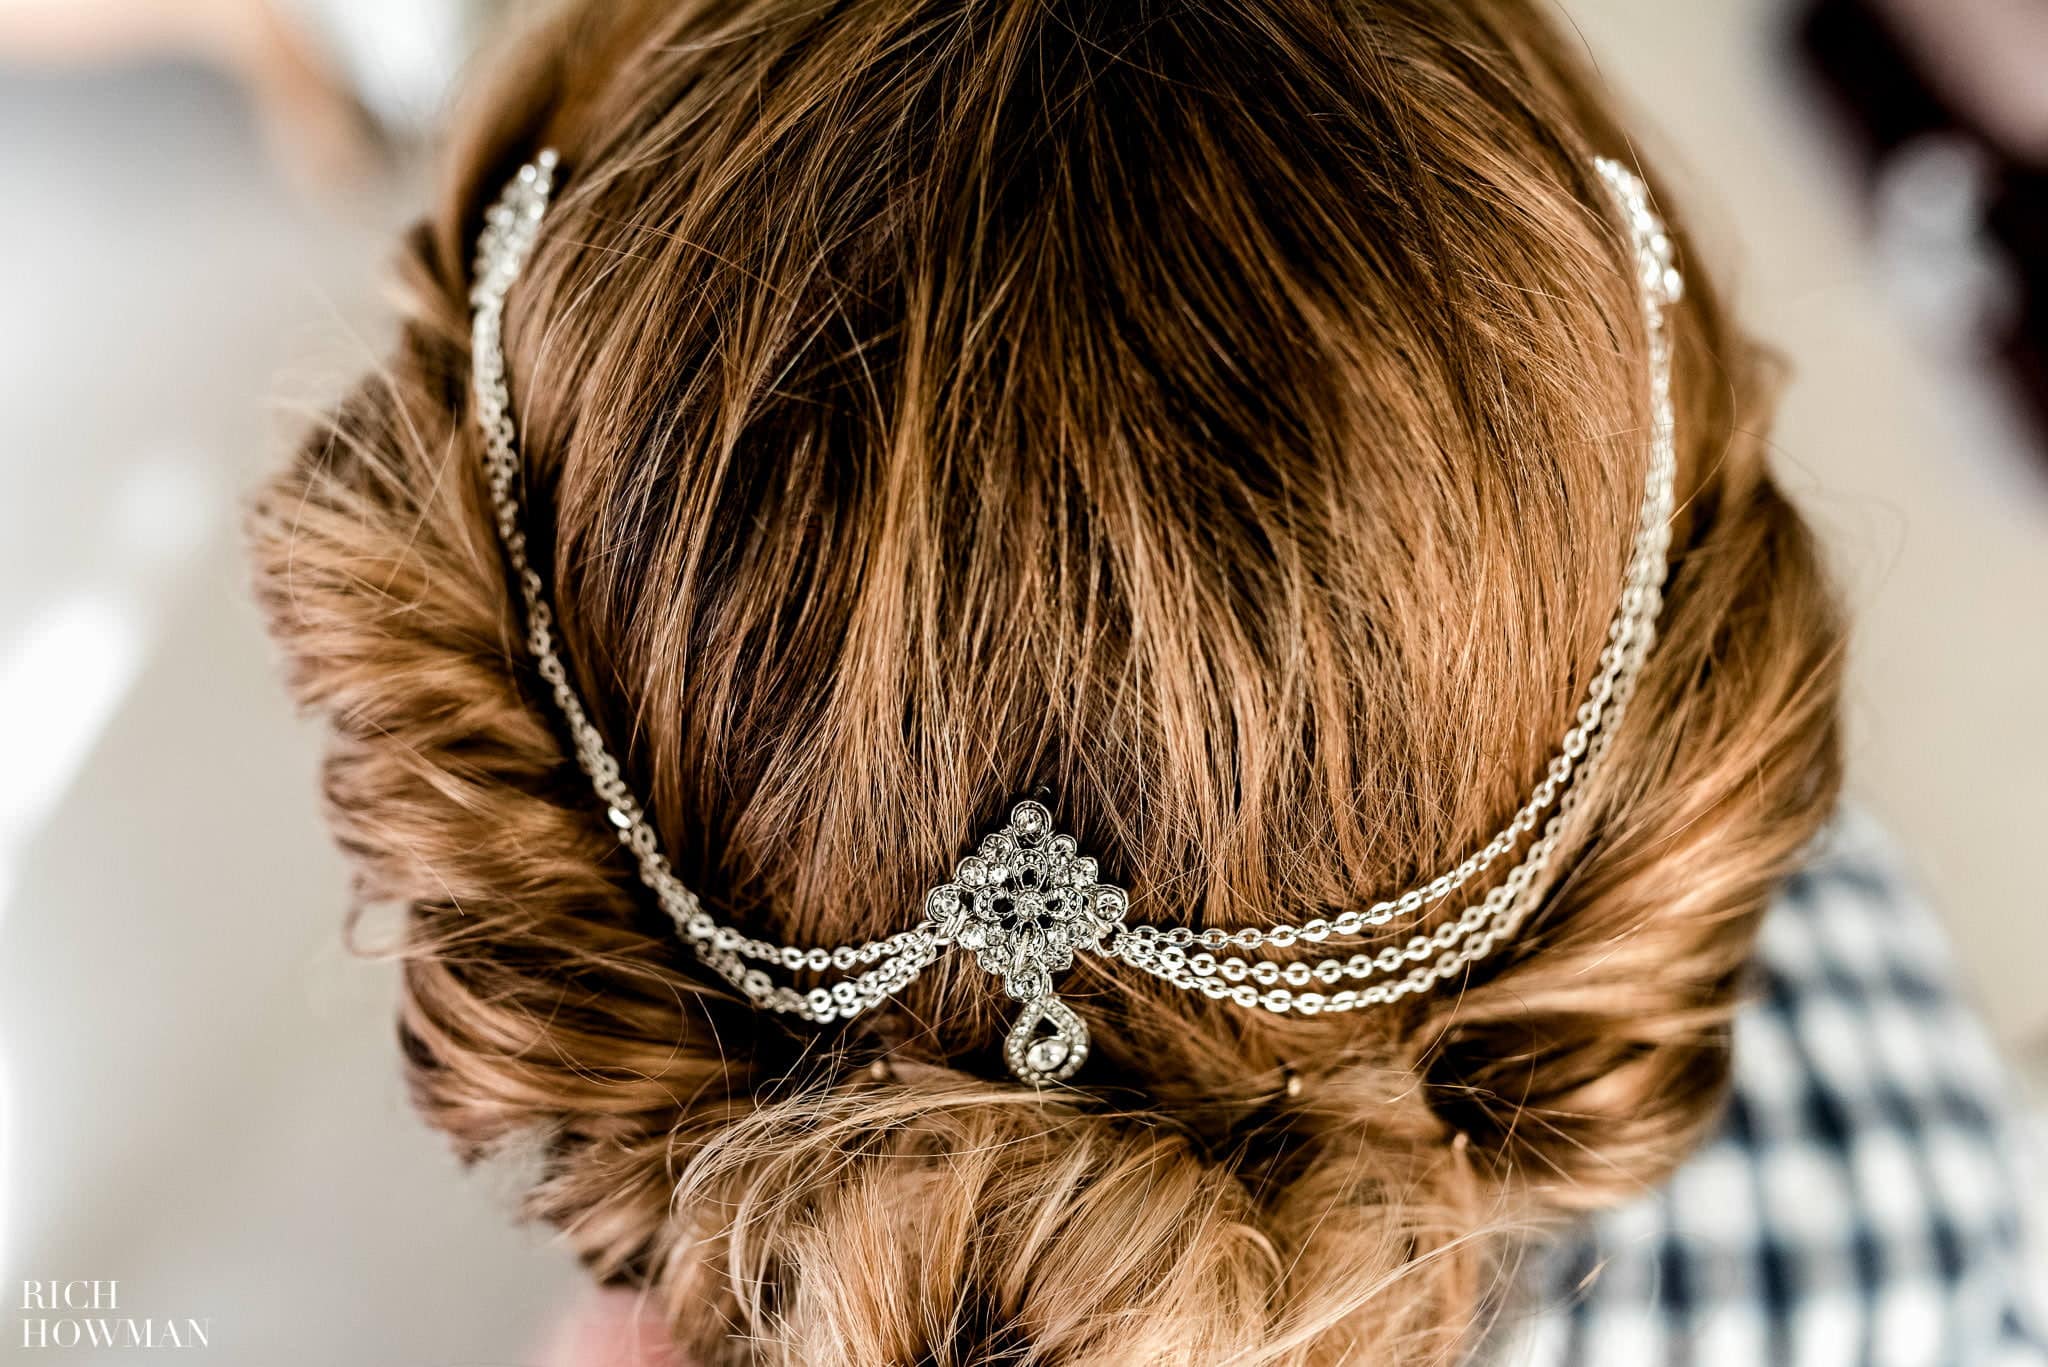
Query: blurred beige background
198, 1087
1936, 516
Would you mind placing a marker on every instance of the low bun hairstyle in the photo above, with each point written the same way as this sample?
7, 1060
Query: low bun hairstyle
1227, 416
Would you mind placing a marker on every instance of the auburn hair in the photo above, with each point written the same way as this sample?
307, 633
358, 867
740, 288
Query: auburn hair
1227, 416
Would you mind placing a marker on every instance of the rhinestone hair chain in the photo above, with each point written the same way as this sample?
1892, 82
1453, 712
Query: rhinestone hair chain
1026, 900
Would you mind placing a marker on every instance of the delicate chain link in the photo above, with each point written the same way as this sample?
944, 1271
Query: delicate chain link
1629, 634
1476, 930
510, 228
1450, 947
888, 964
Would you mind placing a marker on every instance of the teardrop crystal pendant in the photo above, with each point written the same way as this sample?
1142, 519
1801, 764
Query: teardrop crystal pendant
1053, 1056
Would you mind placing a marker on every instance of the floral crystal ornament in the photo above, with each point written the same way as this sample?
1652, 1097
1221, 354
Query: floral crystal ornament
1023, 904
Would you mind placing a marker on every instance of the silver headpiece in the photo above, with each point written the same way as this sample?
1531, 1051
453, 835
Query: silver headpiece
1027, 900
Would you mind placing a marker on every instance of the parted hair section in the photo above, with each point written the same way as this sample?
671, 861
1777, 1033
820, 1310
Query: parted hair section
1225, 420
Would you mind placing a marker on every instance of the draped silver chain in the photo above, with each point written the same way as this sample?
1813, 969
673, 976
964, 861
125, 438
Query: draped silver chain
1026, 900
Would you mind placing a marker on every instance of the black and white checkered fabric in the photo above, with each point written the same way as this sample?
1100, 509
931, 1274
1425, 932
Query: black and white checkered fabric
1863, 1204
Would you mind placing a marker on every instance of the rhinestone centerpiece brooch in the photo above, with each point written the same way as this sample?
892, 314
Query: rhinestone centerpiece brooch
1023, 904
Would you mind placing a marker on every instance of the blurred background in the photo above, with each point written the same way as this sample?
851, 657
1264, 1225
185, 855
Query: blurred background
199, 1094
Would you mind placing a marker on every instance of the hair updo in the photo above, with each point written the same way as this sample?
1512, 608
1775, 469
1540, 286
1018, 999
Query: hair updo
1228, 416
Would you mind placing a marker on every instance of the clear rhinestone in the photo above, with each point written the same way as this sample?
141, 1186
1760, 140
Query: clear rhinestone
1047, 1055
1031, 820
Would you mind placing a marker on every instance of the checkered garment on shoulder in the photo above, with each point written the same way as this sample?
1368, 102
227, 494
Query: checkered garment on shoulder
1865, 1199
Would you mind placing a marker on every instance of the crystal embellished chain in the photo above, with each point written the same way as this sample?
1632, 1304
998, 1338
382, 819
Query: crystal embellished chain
1027, 900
